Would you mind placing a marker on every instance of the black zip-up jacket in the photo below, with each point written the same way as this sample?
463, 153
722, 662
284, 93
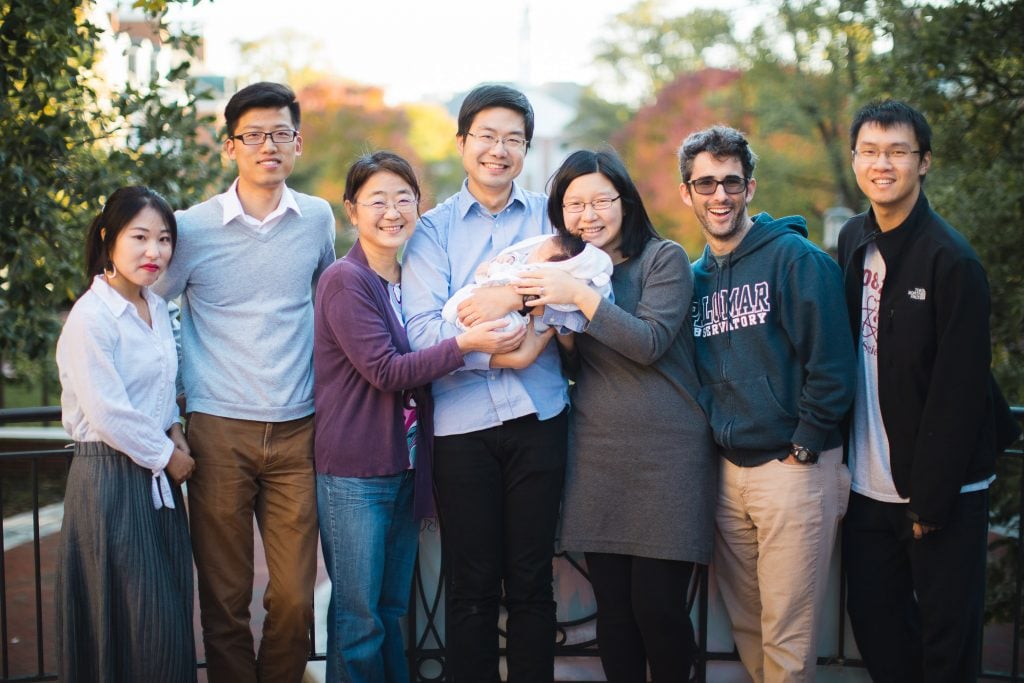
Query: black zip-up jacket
943, 413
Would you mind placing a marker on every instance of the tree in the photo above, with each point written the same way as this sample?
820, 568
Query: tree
646, 50
806, 62
63, 150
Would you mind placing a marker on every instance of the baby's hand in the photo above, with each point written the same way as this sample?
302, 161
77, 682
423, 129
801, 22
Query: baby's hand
504, 258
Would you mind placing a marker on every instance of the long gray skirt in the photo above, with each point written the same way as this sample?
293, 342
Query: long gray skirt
124, 576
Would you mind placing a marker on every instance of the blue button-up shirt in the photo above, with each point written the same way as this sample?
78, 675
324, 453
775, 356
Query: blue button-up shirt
450, 242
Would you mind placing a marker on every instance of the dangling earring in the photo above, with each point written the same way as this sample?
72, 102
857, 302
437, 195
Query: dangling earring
110, 271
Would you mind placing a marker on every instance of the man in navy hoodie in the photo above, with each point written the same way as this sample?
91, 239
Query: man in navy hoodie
928, 419
776, 364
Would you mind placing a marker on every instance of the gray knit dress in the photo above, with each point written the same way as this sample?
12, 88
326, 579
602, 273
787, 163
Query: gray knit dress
642, 473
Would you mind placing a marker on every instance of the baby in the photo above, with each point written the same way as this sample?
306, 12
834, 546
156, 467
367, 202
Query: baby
565, 252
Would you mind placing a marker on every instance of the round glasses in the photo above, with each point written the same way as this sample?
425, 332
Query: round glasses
733, 184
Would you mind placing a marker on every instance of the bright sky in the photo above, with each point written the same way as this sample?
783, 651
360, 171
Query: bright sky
414, 49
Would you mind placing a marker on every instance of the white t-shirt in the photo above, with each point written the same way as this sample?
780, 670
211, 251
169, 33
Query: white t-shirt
869, 444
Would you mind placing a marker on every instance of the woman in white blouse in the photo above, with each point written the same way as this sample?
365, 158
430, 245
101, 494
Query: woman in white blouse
124, 573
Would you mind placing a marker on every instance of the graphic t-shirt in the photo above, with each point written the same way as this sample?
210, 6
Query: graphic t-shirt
869, 444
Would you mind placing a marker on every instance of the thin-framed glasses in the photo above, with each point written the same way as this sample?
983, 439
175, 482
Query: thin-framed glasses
511, 142
599, 204
258, 137
897, 156
401, 205
733, 184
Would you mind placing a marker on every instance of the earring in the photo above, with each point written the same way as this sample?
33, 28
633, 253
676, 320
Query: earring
110, 271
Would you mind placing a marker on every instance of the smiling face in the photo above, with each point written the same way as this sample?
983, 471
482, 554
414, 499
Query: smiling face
267, 165
723, 216
892, 186
383, 229
492, 168
601, 228
141, 252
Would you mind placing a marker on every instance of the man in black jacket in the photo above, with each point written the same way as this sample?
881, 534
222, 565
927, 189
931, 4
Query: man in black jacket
928, 419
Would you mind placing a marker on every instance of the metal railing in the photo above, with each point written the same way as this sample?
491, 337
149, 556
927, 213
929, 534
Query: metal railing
426, 642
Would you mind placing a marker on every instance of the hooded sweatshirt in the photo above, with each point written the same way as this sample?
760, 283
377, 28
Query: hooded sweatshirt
774, 351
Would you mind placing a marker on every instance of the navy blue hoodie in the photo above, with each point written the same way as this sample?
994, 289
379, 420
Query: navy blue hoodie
774, 350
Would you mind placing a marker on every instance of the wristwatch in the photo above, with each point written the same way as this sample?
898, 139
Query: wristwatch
803, 455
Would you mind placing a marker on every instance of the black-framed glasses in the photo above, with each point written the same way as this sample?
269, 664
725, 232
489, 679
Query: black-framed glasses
599, 204
896, 156
401, 205
512, 142
258, 137
733, 184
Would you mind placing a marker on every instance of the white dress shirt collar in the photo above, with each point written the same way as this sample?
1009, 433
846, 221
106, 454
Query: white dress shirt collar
232, 209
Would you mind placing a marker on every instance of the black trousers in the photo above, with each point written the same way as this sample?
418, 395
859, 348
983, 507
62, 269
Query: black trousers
642, 617
498, 494
916, 607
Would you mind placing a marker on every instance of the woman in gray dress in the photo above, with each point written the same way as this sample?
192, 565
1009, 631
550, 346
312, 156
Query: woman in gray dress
642, 477
124, 569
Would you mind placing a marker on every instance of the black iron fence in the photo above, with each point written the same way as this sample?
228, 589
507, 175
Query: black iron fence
26, 594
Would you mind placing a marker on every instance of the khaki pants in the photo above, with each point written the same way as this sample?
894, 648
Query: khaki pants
246, 468
775, 532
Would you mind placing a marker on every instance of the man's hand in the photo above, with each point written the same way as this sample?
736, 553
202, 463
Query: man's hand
489, 303
920, 530
523, 357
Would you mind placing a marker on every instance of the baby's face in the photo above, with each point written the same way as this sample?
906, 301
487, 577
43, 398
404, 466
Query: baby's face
544, 252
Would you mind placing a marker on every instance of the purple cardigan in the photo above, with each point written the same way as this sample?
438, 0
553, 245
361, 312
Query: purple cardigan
363, 369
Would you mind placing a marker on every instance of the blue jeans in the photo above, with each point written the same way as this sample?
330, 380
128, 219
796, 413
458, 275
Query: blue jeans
369, 538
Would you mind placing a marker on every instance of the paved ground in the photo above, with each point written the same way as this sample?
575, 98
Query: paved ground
21, 637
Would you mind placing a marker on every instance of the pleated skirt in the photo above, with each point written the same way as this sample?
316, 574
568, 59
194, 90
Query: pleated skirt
124, 576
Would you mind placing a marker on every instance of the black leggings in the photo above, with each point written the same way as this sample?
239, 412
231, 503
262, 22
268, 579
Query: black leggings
642, 617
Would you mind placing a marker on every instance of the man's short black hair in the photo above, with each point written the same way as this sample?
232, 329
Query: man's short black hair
491, 96
263, 95
721, 142
890, 113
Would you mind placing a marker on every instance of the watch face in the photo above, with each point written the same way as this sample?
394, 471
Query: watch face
805, 455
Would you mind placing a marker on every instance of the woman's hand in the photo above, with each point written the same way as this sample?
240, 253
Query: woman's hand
180, 467
177, 437
487, 337
489, 303
552, 286
523, 357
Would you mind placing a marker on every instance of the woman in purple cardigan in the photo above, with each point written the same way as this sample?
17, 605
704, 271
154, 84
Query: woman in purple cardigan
374, 423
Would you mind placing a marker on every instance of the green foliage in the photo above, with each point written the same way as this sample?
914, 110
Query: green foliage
807, 62
646, 50
597, 120
63, 149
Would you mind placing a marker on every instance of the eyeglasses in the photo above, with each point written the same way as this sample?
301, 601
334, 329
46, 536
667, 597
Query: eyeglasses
733, 184
511, 142
598, 204
896, 156
401, 205
255, 137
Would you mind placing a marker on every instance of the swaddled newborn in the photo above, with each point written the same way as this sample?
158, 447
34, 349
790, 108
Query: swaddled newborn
565, 252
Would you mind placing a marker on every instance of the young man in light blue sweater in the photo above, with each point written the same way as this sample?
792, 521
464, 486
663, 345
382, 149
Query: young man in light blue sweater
246, 267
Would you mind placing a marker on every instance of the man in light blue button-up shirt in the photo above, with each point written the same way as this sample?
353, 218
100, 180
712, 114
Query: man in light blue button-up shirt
500, 421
